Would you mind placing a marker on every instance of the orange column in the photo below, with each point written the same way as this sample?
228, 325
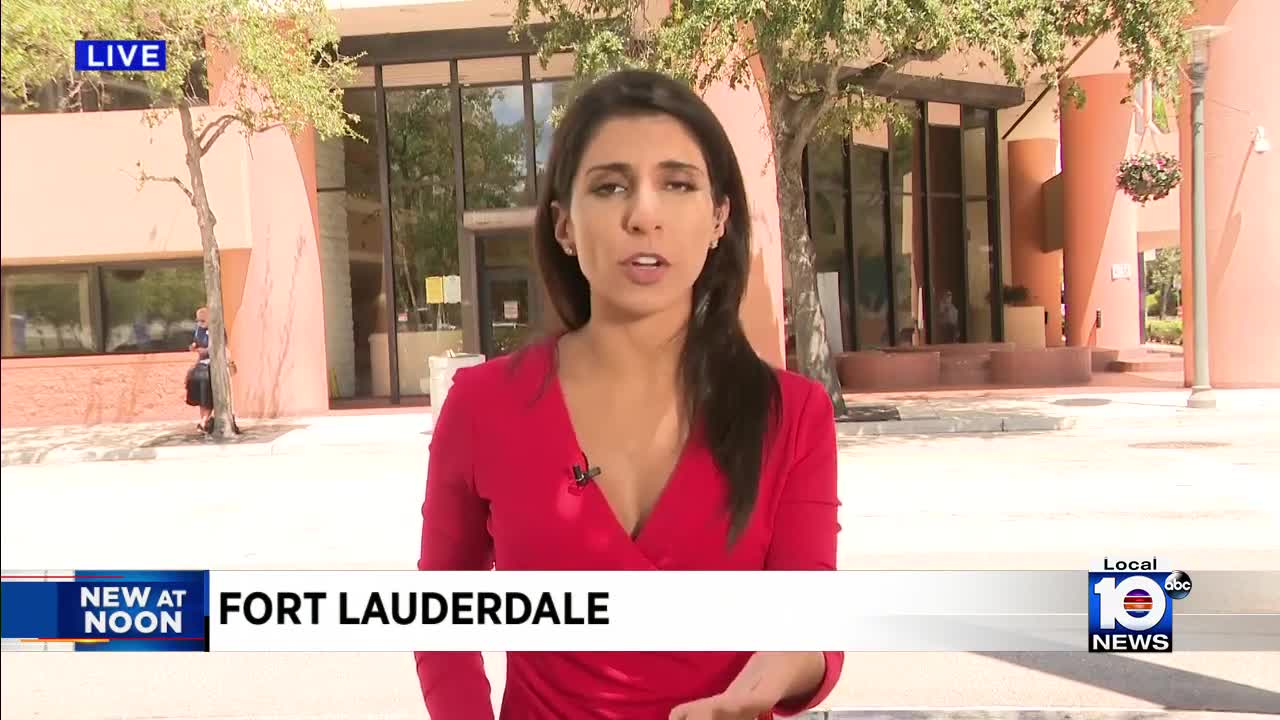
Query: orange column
1242, 198
1032, 163
1100, 223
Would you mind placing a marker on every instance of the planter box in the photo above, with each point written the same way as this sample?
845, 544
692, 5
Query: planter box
1024, 326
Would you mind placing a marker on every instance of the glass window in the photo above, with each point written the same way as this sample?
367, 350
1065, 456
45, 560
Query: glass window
493, 146
871, 313
511, 301
424, 234
906, 145
926, 261
906, 223
944, 149
828, 223
981, 260
869, 165
151, 309
360, 231
975, 151
49, 313
549, 98
946, 270
826, 162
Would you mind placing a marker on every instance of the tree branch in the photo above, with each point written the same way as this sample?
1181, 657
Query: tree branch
809, 121
147, 177
213, 131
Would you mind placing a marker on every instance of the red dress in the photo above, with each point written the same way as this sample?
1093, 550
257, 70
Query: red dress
501, 494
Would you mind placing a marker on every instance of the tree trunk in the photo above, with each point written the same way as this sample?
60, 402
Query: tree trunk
224, 424
813, 354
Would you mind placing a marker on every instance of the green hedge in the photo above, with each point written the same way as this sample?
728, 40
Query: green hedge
1167, 331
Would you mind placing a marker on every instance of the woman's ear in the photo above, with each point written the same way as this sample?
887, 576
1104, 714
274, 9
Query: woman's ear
564, 229
722, 217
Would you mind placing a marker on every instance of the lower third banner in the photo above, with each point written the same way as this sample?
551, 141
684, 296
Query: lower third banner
106, 610
1155, 608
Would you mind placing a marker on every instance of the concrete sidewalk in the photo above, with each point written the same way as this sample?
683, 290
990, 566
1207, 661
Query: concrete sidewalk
919, 414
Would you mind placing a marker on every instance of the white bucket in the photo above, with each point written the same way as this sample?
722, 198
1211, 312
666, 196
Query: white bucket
441, 369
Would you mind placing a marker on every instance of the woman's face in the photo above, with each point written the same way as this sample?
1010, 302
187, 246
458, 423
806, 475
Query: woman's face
641, 218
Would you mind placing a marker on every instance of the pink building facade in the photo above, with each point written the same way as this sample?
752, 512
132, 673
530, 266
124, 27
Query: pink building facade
347, 264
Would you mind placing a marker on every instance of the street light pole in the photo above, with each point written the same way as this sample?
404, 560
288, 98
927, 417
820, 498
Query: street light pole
1202, 396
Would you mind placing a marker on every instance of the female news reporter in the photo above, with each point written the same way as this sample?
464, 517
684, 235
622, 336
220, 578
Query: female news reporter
707, 457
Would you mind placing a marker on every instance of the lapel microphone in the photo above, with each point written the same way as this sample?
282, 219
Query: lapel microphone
581, 476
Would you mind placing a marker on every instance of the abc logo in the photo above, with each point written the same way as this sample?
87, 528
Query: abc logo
1178, 585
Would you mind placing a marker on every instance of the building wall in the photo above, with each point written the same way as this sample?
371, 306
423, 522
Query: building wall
1242, 215
742, 112
69, 197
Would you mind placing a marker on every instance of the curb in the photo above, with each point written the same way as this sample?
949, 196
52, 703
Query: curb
955, 425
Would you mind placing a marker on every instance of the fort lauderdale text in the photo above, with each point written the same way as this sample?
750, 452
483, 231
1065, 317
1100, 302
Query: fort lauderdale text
421, 608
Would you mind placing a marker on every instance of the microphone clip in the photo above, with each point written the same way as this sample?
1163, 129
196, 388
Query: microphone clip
582, 477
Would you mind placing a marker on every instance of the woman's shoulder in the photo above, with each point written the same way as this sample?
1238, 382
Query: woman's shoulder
798, 389
806, 414
504, 375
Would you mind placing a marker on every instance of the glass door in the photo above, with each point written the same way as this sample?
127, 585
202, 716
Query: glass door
510, 301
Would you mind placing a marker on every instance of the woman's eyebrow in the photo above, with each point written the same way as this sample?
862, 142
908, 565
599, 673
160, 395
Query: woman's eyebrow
621, 167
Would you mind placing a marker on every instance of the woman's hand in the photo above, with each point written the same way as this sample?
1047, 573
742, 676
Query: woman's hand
767, 679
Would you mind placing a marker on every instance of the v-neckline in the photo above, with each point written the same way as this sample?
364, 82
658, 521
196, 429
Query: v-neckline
642, 531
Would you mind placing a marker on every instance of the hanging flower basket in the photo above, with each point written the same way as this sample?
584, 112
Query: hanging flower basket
1147, 176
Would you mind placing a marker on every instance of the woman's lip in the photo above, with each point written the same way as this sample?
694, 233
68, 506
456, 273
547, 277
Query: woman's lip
644, 274
633, 258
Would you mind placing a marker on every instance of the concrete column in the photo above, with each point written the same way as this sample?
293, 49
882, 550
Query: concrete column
1032, 163
335, 265
1242, 214
1100, 223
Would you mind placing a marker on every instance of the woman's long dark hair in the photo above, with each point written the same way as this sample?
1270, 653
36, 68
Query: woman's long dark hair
728, 390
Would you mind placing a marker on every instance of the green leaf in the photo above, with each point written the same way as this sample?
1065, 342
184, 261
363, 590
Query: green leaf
288, 72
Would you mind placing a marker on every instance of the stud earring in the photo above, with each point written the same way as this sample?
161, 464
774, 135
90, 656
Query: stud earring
714, 244
568, 250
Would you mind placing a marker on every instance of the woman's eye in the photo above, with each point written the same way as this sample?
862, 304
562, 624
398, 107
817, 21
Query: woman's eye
681, 186
607, 188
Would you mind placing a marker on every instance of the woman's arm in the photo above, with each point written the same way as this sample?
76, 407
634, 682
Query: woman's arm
454, 537
805, 532
805, 529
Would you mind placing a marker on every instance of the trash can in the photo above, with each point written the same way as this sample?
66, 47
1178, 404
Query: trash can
441, 368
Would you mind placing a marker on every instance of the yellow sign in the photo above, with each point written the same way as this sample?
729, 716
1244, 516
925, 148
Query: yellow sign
435, 289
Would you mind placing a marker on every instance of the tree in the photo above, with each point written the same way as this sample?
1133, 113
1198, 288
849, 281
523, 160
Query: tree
282, 70
1164, 276
822, 61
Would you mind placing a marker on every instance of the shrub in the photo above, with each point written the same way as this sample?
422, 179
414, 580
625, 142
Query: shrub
1168, 332
1153, 303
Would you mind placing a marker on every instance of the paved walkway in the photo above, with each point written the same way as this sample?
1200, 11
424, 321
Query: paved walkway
1200, 494
979, 411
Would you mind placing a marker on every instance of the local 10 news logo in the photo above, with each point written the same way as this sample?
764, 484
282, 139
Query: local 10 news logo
1131, 606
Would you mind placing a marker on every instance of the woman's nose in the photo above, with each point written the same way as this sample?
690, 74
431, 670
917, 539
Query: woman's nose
645, 212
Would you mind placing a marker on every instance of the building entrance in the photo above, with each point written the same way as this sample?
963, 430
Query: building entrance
510, 304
